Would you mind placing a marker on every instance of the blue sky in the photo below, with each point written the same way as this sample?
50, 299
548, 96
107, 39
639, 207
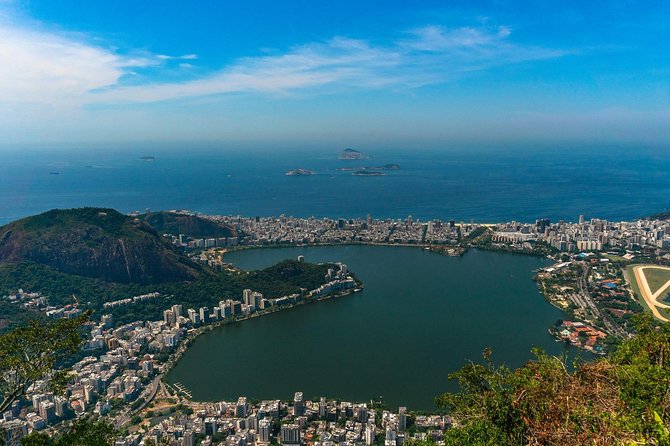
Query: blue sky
359, 73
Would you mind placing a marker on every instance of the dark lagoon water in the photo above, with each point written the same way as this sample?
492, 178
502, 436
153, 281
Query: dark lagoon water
421, 316
486, 185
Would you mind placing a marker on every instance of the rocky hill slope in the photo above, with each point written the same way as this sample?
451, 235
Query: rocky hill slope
96, 242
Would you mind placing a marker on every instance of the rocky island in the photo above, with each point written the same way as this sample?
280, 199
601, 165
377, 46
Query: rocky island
351, 154
300, 172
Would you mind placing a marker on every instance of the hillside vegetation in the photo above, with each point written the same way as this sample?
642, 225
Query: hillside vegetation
623, 399
97, 243
91, 256
286, 277
190, 225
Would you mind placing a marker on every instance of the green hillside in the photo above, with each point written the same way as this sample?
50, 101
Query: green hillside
190, 225
98, 243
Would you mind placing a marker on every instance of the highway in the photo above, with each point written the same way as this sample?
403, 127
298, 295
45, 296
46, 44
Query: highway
124, 417
589, 304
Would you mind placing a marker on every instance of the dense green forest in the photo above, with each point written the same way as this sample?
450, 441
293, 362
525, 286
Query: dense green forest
61, 289
190, 225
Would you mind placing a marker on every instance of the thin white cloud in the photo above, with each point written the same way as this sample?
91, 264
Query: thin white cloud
45, 68
431, 54
184, 57
40, 67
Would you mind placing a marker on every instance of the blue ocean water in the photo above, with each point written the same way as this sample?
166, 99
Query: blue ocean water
462, 184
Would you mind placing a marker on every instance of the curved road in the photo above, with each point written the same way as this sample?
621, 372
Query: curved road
125, 417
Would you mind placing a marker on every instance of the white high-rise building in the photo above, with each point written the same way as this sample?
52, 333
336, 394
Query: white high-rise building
264, 430
298, 404
322, 407
370, 434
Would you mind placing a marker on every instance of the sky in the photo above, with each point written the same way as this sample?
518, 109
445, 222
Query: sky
357, 73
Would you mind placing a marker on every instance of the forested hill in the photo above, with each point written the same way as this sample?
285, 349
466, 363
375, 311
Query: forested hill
96, 242
191, 225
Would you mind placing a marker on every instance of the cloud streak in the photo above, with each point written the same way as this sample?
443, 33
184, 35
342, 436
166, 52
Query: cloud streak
429, 55
42, 67
39, 67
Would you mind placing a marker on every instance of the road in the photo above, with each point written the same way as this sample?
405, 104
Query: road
610, 325
125, 417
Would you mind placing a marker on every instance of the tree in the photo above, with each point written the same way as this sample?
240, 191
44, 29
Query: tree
83, 432
30, 353
36, 439
622, 399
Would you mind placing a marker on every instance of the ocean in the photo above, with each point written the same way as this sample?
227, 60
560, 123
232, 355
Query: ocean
481, 185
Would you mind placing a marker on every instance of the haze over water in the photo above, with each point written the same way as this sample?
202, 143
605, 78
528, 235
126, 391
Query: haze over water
421, 316
464, 184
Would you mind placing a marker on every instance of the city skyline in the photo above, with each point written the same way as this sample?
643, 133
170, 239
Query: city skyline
375, 74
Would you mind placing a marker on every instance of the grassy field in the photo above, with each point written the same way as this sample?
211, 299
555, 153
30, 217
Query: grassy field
656, 278
615, 258
630, 275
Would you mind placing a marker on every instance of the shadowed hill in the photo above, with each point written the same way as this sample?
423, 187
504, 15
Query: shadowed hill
191, 225
96, 242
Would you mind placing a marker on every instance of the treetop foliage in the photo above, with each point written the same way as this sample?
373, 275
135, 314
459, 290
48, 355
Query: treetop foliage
623, 399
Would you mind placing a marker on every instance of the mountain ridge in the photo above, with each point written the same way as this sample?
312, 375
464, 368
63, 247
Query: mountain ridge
96, 242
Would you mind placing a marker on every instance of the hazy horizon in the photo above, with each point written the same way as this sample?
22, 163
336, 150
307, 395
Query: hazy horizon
362, 75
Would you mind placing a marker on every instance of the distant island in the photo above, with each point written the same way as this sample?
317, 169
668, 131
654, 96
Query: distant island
300, 172
351, 154
148, 158
384, 167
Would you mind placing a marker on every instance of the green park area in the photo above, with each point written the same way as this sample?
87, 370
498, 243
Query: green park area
656, 278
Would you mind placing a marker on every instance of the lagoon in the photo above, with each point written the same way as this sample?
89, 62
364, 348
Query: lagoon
421, 316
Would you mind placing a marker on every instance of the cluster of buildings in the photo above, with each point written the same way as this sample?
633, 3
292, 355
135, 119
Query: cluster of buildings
27, 299
648, 235
131, 300
125, 362
186, 241
297, 423
591, 288
114, 377
253, 301
581, 335
292, 230
610, 291
39, 302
